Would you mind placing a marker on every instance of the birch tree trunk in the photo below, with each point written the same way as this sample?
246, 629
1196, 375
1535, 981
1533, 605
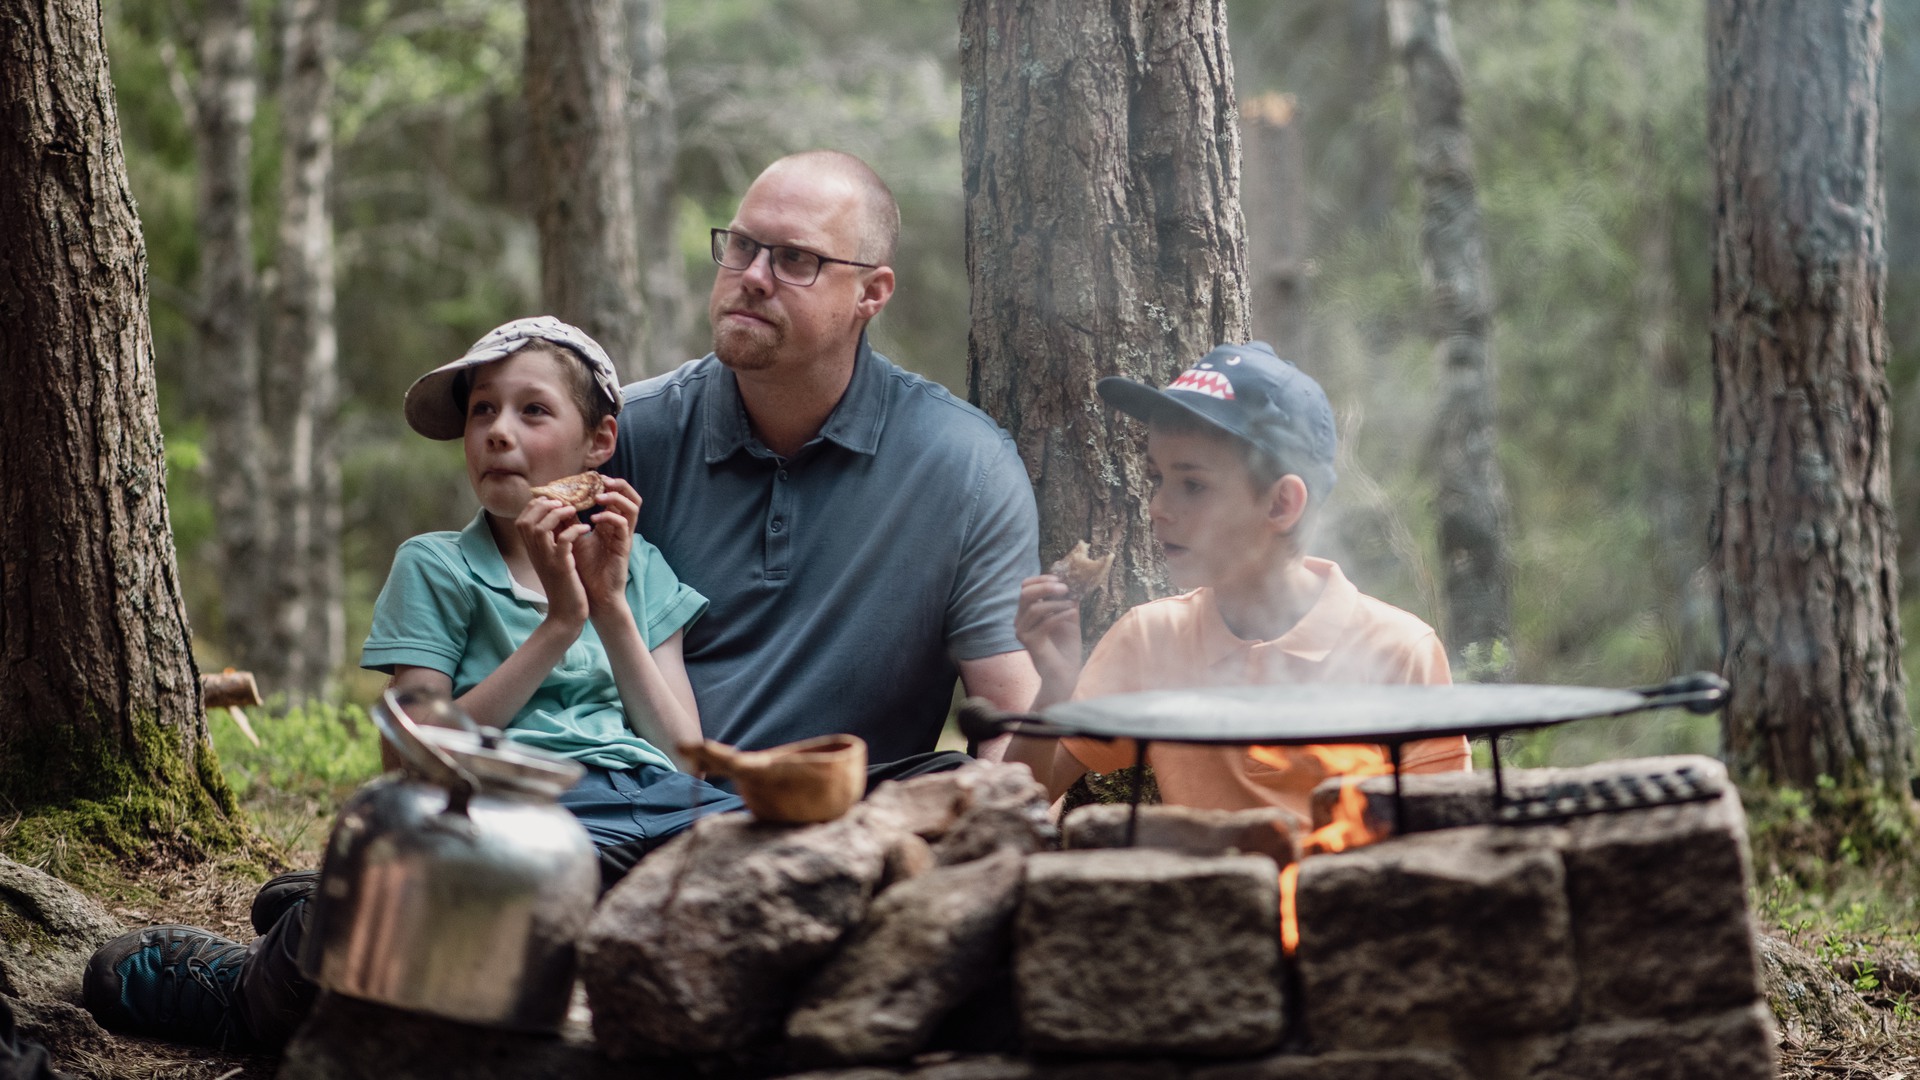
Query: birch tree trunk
101, 696
1101, 166
577, 73
1804, 536
302, 383
226, 368
665, 298
1470, 506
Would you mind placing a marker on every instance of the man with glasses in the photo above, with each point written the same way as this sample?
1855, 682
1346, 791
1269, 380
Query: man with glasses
861, 533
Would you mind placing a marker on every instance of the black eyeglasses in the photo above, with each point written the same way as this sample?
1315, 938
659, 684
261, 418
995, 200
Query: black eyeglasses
795, 266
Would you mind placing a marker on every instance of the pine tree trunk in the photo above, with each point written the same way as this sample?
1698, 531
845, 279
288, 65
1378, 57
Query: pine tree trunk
1275, 193
1101, 166
656, 146
302, 384
1470, 506
225, 381
577, 71
1804, 535
99, 684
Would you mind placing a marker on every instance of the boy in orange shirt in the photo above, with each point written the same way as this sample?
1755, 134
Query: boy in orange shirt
1240, 451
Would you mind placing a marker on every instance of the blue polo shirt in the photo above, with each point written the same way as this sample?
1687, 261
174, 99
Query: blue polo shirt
846, 581
451, 604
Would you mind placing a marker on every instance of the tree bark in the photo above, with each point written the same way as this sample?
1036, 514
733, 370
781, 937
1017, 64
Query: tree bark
307, 645
1276, 204
577, 72
665, 298
226, 368
102, 699
1470, 508
1101, 166
1803, 536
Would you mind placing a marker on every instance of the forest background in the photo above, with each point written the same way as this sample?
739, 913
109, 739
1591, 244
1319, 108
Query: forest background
1588, 121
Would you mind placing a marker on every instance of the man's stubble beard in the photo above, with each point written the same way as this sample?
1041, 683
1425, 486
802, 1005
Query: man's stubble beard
742, 350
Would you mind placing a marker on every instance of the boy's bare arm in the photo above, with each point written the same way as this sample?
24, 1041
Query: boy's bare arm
654, 689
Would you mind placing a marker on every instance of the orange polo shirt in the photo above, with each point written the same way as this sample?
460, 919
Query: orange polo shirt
1182, 642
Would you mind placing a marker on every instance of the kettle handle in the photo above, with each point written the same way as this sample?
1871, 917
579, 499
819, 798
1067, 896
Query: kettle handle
390, 715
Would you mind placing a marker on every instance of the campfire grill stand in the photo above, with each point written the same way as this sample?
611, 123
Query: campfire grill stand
1358, 715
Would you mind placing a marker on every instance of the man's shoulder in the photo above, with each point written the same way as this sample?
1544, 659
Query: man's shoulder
659, 390
926, 405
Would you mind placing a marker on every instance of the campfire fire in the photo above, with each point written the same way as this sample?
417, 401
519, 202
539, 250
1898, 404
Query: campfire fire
1348, 827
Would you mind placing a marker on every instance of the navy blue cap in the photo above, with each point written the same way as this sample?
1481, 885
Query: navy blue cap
1251, 394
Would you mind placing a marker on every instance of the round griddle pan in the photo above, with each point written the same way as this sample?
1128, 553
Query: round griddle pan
1325, 713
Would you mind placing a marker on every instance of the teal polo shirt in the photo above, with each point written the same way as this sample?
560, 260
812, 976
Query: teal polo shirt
848, 580
450, 604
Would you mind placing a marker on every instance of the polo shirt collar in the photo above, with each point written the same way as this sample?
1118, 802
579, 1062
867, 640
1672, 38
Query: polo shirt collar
483, 555
1326, 622
855, 423
1312, 638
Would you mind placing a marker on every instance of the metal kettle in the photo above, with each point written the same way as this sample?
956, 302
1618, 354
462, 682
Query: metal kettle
458, 887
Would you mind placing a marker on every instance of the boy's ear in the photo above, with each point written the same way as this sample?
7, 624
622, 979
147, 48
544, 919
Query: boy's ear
601, 442
1287, 503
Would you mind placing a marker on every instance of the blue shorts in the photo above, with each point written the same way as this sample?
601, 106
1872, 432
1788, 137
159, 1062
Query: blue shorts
629, 812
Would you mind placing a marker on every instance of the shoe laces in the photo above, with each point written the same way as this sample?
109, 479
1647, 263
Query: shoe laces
184, 969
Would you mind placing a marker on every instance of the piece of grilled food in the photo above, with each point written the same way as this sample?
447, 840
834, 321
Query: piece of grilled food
578, 491
1083, 573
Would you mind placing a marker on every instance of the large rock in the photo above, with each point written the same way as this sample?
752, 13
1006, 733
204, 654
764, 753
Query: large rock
1140, 952
1004, 807
1736, 1044
1185, 829
48, 931
926, 806
1343, 1065
1434, 938
1809, 1002
700, 949
925, 945
1659, 902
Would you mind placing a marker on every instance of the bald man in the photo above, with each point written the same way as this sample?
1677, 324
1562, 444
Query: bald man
860, 533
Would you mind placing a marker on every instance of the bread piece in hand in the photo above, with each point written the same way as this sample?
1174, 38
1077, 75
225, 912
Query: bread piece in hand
578, 491
1083, 573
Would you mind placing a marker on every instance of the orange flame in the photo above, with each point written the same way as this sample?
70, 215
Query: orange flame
1348, 827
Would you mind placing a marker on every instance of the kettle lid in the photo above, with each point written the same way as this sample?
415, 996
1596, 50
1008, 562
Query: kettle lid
461, 756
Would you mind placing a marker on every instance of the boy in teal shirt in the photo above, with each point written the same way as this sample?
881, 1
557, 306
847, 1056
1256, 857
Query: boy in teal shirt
565, 633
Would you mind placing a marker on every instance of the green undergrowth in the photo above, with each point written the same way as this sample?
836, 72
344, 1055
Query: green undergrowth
310, 758
1836, 874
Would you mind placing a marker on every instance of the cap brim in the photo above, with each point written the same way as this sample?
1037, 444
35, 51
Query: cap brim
1147, 403
430, 407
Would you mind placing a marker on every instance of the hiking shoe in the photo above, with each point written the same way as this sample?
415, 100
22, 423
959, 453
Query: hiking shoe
279, 894
171, 982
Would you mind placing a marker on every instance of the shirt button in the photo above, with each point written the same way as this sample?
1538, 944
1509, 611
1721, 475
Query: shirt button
777, 526
781, 475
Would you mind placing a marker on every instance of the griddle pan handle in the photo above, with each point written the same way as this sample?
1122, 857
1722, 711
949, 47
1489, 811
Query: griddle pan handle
1701, 692
980, 721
